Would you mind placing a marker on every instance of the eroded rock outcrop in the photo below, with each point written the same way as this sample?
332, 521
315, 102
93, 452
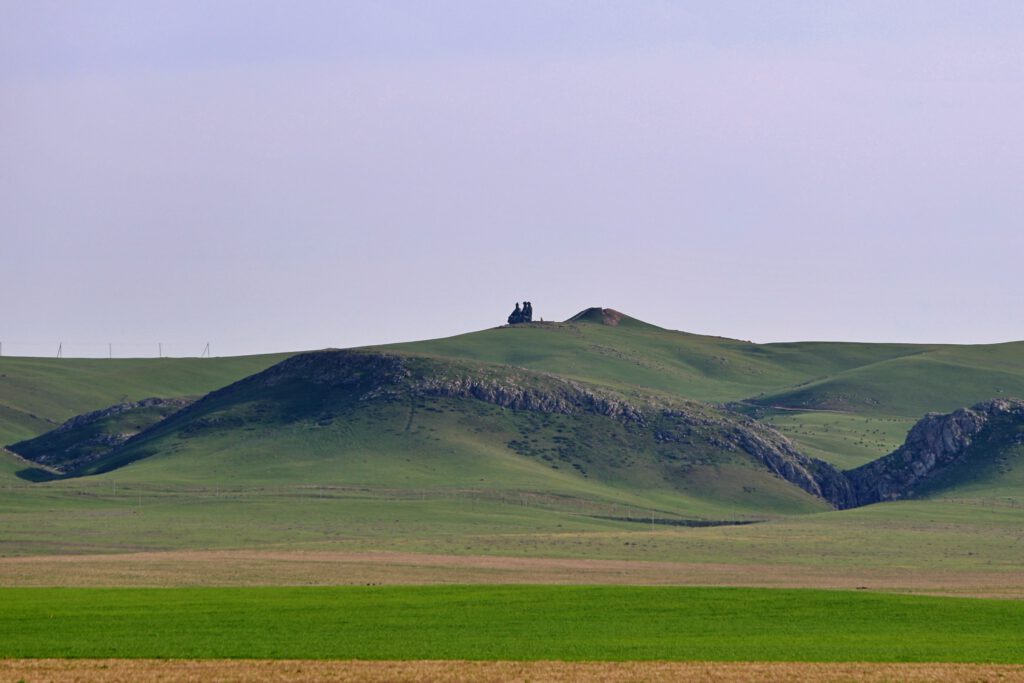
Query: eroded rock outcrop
779, 455
85, 419
88, 437
934, 444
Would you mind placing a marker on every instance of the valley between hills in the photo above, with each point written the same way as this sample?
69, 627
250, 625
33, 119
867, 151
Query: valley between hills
598, 450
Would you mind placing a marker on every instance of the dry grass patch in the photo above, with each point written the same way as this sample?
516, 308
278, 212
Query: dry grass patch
145, 670
277, 568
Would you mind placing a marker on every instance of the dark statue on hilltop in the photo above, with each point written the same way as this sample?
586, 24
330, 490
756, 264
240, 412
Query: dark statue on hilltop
521, 315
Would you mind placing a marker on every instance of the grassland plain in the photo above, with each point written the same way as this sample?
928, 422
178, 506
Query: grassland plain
959, 546
569, 623
438, 493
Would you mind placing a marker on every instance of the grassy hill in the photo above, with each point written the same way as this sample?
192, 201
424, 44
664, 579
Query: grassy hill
37, 394
377, 420
847, 403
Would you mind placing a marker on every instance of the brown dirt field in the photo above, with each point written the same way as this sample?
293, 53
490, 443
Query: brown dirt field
139, 670
268, 567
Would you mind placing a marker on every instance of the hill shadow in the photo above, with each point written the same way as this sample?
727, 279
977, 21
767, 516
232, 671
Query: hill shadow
37, 475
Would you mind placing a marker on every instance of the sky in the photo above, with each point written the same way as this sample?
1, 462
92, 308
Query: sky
269, 176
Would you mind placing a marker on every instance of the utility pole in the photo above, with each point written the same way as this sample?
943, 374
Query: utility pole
110, 351
160, 349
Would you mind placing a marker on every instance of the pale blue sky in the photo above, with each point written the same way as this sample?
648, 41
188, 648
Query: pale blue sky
277, 176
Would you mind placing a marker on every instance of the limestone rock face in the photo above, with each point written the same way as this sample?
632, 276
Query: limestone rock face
88, 437
934, 443
812, 475
95, 416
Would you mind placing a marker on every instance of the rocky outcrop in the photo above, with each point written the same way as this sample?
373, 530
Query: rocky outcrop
343, 368
384, 376
778, 454
559, 396
88, 437
86, 419
603, 316
934, 444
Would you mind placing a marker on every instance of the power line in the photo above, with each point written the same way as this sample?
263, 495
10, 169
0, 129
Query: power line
91, 349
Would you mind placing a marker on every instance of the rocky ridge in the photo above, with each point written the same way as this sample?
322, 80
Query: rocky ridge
85, 419
375, 376
934, 444
88, 437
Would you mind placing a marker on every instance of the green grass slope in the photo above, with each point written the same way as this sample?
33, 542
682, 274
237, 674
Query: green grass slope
91, 436
634, 354
940, 380
37, 394
799, 383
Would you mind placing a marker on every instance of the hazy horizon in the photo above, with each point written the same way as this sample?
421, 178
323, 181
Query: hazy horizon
274, 178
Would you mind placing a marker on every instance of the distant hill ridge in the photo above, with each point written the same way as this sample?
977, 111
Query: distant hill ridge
669, 427
605, 316
600, 405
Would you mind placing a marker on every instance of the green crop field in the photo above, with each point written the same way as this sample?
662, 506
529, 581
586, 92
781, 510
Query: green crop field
508, 623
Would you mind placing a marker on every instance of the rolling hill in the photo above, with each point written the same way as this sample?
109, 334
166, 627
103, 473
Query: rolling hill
602, 406
375, 419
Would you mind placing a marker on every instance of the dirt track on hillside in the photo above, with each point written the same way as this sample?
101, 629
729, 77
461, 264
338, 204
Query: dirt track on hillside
147, 670
267, 567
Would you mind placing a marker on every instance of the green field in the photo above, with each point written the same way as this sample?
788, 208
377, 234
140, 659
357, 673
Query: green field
599, 623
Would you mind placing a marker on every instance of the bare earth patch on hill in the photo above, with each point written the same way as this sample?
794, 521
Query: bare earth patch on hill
276, 568
118, 670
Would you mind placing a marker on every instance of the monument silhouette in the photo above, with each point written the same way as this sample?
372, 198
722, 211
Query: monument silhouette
521, 315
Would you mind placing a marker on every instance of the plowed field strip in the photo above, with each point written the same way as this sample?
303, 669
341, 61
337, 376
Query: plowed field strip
150, 670
266, 568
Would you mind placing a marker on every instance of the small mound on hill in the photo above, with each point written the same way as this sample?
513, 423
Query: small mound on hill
605, 316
